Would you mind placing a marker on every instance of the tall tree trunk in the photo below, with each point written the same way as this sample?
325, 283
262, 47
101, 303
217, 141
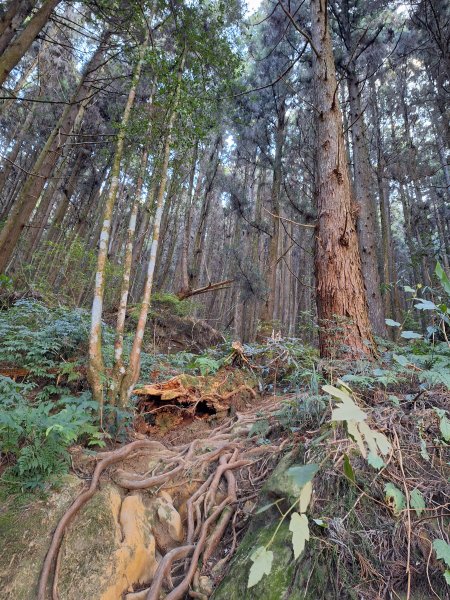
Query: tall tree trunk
391, 295
367, 222
267, 314
119, 368
11, 158
17, 48
213, 165
184, 252
133, 371
96, 365
42, 168
341, 302
12, 19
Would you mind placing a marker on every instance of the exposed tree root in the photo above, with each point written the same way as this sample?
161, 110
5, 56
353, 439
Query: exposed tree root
209, 510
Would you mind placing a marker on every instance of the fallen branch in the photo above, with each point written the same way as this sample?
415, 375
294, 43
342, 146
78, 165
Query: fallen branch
211, 287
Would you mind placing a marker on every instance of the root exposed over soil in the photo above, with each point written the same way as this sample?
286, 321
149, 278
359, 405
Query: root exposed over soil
225, 456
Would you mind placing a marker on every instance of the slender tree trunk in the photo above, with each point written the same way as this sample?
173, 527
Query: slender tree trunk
17, 48
267, 314
184, 253
213, 164
9, 164
12, 19
133, 371
42, 168
96, 365
341, 302
119, 369
367, 217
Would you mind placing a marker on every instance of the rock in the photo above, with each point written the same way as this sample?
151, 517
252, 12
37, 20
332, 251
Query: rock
280, 484
167, 528
108, 549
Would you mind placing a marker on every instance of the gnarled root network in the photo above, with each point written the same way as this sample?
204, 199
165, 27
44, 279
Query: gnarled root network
226, 454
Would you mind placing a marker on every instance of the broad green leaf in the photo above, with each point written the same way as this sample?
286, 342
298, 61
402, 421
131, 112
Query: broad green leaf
447, 576
394, 399
392, 323
442, 276
368, 436
394, 498
425, 305
300, 533
348, 470
410, 335
347, 410
353, 431
423, 450
384, 445
375, 461
417, 502
336, 392
305, 497
262, 565
402, 360
303, 474
409, 289
444, 426
442, 550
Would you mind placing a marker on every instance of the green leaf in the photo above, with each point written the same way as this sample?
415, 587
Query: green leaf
394, 498
392, 323
384, 445
442, 276
444, 426
262, 565
347, 410
266, 507
417, 502
425, 305
320, 522
410, 335
402, 360
447, 576
300, 533
442, 550
423, 450
354, 433
348, 470
375, 461
336, 392
409, 289
305, 497
303, 474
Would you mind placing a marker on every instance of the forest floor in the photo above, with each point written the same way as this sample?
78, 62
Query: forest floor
246, 472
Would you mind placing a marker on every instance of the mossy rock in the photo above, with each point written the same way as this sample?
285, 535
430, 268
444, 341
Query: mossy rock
307, 578
25, 535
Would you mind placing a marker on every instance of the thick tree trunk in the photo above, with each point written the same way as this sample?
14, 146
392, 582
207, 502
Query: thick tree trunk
367, 218
17, 48
43, 167
341, 302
